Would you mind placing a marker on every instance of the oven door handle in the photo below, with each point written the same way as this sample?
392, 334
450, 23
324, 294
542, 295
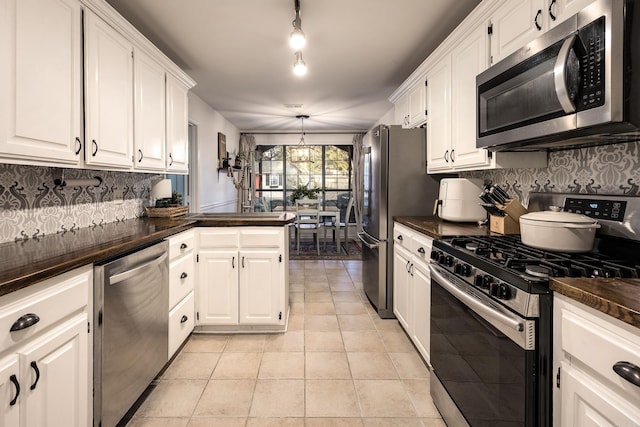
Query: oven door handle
560, 73
473, 302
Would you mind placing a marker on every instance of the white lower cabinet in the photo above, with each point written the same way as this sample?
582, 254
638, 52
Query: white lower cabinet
181, 288
45, 369
242, 275
587, 346
412, 285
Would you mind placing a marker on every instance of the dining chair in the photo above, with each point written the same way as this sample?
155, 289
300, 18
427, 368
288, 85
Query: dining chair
342, 225
308, 221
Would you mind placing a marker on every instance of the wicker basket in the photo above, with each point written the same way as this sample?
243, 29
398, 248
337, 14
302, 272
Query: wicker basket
171, 212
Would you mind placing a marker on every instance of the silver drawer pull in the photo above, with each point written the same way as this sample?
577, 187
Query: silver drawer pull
24, 322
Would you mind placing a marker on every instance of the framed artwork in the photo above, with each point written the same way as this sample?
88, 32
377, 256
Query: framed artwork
222, 149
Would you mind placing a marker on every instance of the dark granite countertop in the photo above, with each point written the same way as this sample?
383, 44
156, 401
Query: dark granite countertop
619, 298
26, 262
435, 227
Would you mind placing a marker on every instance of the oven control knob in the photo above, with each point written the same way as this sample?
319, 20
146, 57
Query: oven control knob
487, 281
505, 291
477, 280
435, 255
448, 261
462, 269
495, 290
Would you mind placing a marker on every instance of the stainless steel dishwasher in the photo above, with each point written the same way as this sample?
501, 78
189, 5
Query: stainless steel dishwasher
131, 314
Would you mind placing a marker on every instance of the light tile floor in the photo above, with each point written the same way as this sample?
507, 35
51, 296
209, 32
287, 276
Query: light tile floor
338, 364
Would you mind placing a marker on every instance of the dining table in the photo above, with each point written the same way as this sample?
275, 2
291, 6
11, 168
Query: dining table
326, 212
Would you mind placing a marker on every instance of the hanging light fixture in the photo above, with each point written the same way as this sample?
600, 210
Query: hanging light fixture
302, 152
297, 38
299, 67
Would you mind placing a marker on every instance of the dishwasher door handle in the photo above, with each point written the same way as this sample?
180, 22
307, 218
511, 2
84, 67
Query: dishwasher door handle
117, 278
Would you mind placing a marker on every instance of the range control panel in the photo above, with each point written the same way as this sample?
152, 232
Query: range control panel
612, 210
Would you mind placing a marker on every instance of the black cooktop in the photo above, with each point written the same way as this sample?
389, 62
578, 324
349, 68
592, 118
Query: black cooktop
508, 255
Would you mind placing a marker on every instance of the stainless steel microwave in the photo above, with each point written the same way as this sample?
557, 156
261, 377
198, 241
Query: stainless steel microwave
578, 84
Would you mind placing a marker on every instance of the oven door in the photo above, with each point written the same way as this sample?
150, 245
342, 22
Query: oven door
483, 357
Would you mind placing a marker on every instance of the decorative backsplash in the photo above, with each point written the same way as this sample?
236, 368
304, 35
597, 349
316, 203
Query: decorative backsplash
607, 169
32, 206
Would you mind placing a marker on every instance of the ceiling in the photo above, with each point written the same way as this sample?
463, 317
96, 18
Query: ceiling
358, 52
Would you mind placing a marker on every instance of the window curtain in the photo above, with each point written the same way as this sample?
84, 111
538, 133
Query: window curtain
357, 183
247, 146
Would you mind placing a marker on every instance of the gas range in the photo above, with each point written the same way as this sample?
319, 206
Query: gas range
504, 268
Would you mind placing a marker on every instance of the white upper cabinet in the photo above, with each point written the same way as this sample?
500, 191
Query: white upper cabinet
109, 95
514, 24
149, 113
41, 82
517, 22
177, 126
468, 59
410, 103
439, 111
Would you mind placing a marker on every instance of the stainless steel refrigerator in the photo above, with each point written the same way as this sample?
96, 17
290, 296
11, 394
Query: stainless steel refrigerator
395, 184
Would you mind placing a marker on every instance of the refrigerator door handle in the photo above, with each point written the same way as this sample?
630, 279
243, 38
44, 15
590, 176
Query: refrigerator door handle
369, 241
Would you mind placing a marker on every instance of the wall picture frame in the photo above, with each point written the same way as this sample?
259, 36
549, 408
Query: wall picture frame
222, 149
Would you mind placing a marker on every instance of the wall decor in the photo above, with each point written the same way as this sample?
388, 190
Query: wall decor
222, 150
32, 206
606, 169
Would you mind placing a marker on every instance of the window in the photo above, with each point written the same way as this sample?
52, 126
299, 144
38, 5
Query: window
282, 168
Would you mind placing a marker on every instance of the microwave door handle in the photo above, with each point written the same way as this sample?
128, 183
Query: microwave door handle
559, 75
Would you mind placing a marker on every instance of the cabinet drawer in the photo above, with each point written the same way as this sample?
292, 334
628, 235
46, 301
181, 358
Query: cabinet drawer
421, 247
181, 278
598, 344
181, 321
51, 300
402, 236
181, 243
214, 237
261, 238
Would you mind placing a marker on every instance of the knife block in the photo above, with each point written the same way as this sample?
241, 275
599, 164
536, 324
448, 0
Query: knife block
510, 223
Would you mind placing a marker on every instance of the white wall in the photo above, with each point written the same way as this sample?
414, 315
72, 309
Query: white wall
215, 191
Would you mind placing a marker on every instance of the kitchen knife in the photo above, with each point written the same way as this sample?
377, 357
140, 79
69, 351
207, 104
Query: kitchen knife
492, 209
496, 196
501, 192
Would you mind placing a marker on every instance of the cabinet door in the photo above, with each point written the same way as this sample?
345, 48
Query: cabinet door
467, 60
261, 287
515, 24
401, 286
55, 370
560, 10
439, 115
585, 402
421, 308
9, 382
401, 111
417, 105
177, 126
109, 95
149, 113
217, 287
41, 81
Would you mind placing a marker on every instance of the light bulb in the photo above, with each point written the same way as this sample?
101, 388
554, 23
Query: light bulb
297, 39
299, 67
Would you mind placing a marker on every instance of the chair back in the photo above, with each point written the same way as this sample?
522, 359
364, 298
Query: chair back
307, 211
347, 215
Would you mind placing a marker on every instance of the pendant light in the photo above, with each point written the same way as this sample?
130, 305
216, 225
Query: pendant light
301, 153
297, 38
299, 67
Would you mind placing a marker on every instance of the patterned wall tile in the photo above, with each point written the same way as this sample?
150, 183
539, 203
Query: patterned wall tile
608, 169
31, 205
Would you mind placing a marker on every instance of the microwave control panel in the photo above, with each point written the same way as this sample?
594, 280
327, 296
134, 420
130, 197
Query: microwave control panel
592, 65
612, 210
